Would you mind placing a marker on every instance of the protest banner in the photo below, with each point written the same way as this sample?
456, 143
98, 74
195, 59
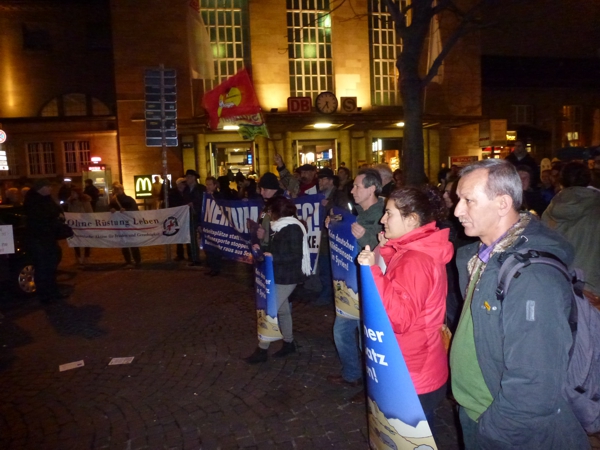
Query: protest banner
225, 227
344, 250
312, 212
395, 416
267, 325
130, 228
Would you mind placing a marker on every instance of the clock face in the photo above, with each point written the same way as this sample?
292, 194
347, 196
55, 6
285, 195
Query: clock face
326, 103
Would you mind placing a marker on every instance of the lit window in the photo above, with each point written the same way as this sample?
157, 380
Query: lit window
384, 53
12, 161
572, 118
309, 47
41, 158
225, 22
77, 156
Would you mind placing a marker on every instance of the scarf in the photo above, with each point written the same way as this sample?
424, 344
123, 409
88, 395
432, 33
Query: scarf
476, 265
284, 222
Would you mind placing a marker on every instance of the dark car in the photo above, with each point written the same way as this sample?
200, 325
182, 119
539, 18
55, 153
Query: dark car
16, 270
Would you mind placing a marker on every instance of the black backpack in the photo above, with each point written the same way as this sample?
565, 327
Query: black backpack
582, 386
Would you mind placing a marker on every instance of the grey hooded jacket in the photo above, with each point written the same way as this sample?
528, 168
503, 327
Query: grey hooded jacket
522, 347
575, 213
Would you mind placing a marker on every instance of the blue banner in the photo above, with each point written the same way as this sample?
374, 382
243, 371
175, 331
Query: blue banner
395, 416
344, 249
312, 212
266, 300
224, 225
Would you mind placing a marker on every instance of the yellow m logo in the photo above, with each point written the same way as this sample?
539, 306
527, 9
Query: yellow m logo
143, 186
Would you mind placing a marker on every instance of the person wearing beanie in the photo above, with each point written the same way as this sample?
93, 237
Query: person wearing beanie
269, 189
43, 214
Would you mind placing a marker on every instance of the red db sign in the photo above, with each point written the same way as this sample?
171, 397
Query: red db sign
299, 105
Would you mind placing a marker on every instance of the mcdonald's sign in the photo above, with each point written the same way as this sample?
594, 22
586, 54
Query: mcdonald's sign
143, 184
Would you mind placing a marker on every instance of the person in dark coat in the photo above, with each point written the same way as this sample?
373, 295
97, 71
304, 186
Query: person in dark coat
194, 196
122, 202
176, 199
291, 261
43, 214
91, 191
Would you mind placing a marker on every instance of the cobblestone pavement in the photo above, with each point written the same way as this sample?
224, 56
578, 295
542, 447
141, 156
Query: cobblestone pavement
186, 387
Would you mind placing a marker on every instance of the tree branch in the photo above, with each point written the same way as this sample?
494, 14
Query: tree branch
398, 16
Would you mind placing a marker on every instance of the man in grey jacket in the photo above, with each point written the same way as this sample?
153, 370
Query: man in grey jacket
509, 359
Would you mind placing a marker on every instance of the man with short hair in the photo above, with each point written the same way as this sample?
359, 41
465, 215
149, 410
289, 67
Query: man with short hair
366, 189
509, 359
520, 157
387, 179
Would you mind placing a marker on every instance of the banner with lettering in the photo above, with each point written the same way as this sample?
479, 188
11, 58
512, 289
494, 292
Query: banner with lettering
344, 249
130, 228
267, 325
225, 227
312, 212
395, 416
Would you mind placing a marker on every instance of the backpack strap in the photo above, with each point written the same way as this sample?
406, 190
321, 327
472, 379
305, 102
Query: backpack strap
516, 261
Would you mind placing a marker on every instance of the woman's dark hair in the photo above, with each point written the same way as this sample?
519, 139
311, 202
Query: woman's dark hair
426, 203
281, 207
575, 174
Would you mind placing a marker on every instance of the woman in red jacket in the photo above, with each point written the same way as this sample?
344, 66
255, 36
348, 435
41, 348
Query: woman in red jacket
414, 286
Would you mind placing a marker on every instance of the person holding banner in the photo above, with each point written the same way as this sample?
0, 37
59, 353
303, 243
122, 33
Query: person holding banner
194, 196
365, 190
121, 202
413, 288
291, 262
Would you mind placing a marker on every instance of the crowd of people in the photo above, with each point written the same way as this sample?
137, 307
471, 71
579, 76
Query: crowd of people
442, 246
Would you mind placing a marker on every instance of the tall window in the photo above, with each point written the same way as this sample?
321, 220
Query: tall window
41, 158
572, 125
77, 156
384, 53
225, 21
522, 114
309, 47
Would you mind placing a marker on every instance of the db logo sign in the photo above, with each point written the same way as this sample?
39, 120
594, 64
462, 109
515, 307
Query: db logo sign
299, 105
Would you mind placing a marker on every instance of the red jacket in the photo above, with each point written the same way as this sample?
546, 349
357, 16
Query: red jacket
413, 291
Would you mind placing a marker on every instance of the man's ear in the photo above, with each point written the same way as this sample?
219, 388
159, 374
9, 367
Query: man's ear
505, 204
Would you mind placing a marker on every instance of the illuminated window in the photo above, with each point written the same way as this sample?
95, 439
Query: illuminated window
41, 158
77, 156
309, 47
384, 53
226, 23
572, 125
522, 114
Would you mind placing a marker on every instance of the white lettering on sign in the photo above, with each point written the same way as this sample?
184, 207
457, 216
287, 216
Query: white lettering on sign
373, 335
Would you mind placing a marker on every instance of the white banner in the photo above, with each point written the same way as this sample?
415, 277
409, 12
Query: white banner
130, 228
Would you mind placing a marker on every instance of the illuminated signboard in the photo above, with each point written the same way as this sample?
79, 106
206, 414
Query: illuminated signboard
143, 184
3, 160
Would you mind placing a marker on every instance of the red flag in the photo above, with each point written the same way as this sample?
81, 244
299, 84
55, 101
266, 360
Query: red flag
233, 97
